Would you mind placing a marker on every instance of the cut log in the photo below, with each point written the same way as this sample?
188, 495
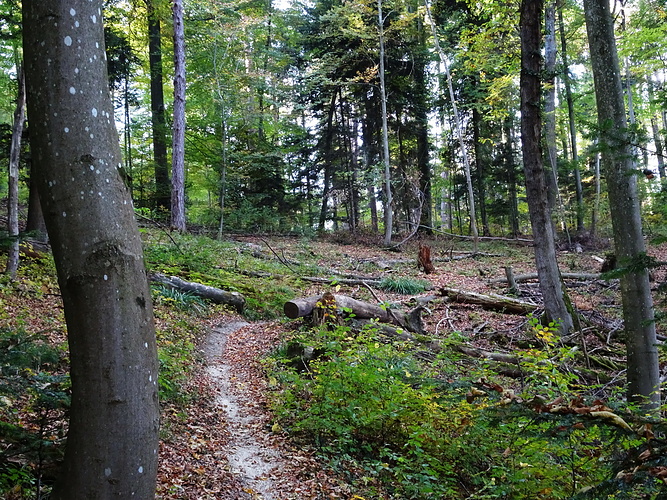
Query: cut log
213, 294
492, 301
299, 308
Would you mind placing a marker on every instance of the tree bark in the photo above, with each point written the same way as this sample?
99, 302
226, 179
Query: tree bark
298, 308
642, 354
13, 183
388, 207
536, 190
158, 119
178, 143
112, 441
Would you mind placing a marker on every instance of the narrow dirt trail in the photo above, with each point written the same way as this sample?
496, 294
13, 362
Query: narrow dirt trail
249, 458
264, 465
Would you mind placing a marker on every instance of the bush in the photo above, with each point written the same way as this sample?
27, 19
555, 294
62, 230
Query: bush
413, 432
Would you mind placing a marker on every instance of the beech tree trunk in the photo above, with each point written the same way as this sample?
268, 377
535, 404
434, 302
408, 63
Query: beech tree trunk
617, 164
178, 147
112, 440
571, 121
536, 189
13, 184
388, 198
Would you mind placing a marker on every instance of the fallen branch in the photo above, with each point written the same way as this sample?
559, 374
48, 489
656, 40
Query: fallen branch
534, 276
342, 281
213, 294
491, 301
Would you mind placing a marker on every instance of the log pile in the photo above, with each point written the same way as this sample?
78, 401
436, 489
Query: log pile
344, 306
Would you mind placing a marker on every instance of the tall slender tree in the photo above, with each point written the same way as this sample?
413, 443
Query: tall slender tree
178, 132
536, 189
617, 165
158, 113
388, 198
112, 438
13, 183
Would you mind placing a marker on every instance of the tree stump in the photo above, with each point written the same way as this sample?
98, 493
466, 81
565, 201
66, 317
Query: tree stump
424, 259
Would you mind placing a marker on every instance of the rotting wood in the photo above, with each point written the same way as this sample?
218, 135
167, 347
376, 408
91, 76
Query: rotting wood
424, 259
533, 276
492, 301
301, 307
213, 294
509, 274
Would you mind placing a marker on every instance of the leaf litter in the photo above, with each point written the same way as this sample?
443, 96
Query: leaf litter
226, 448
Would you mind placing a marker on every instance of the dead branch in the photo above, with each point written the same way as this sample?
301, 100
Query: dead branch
492, 301
533, 276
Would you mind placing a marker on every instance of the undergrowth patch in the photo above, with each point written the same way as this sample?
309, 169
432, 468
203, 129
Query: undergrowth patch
416, 429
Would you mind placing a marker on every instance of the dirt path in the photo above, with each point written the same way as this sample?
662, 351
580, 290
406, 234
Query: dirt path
265, 465
249, 458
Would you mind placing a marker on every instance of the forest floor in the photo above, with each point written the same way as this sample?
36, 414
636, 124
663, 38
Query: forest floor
229, 447
225, 444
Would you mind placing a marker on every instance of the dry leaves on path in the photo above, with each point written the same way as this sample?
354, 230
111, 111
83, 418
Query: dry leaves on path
223, 446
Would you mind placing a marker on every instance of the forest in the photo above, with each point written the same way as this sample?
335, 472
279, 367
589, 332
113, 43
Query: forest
374, 249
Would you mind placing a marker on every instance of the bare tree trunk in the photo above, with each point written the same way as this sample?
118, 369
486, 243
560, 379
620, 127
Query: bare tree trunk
112, 440
178, 149
35, 222
13, 183
158, 119
571, 122
551, 170
388, 208
531, 125
642, 354
459, 133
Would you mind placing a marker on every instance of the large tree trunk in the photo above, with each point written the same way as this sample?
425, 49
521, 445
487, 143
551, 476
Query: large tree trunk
112, 440
536, 190
13, 184
617, 164
158, 119
178, 148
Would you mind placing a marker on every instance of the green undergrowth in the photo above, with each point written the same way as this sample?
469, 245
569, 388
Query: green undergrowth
266, 284
403, 285
403, 428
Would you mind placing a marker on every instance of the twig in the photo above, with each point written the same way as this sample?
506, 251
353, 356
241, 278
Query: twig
283, 261
163, 228
372, 292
